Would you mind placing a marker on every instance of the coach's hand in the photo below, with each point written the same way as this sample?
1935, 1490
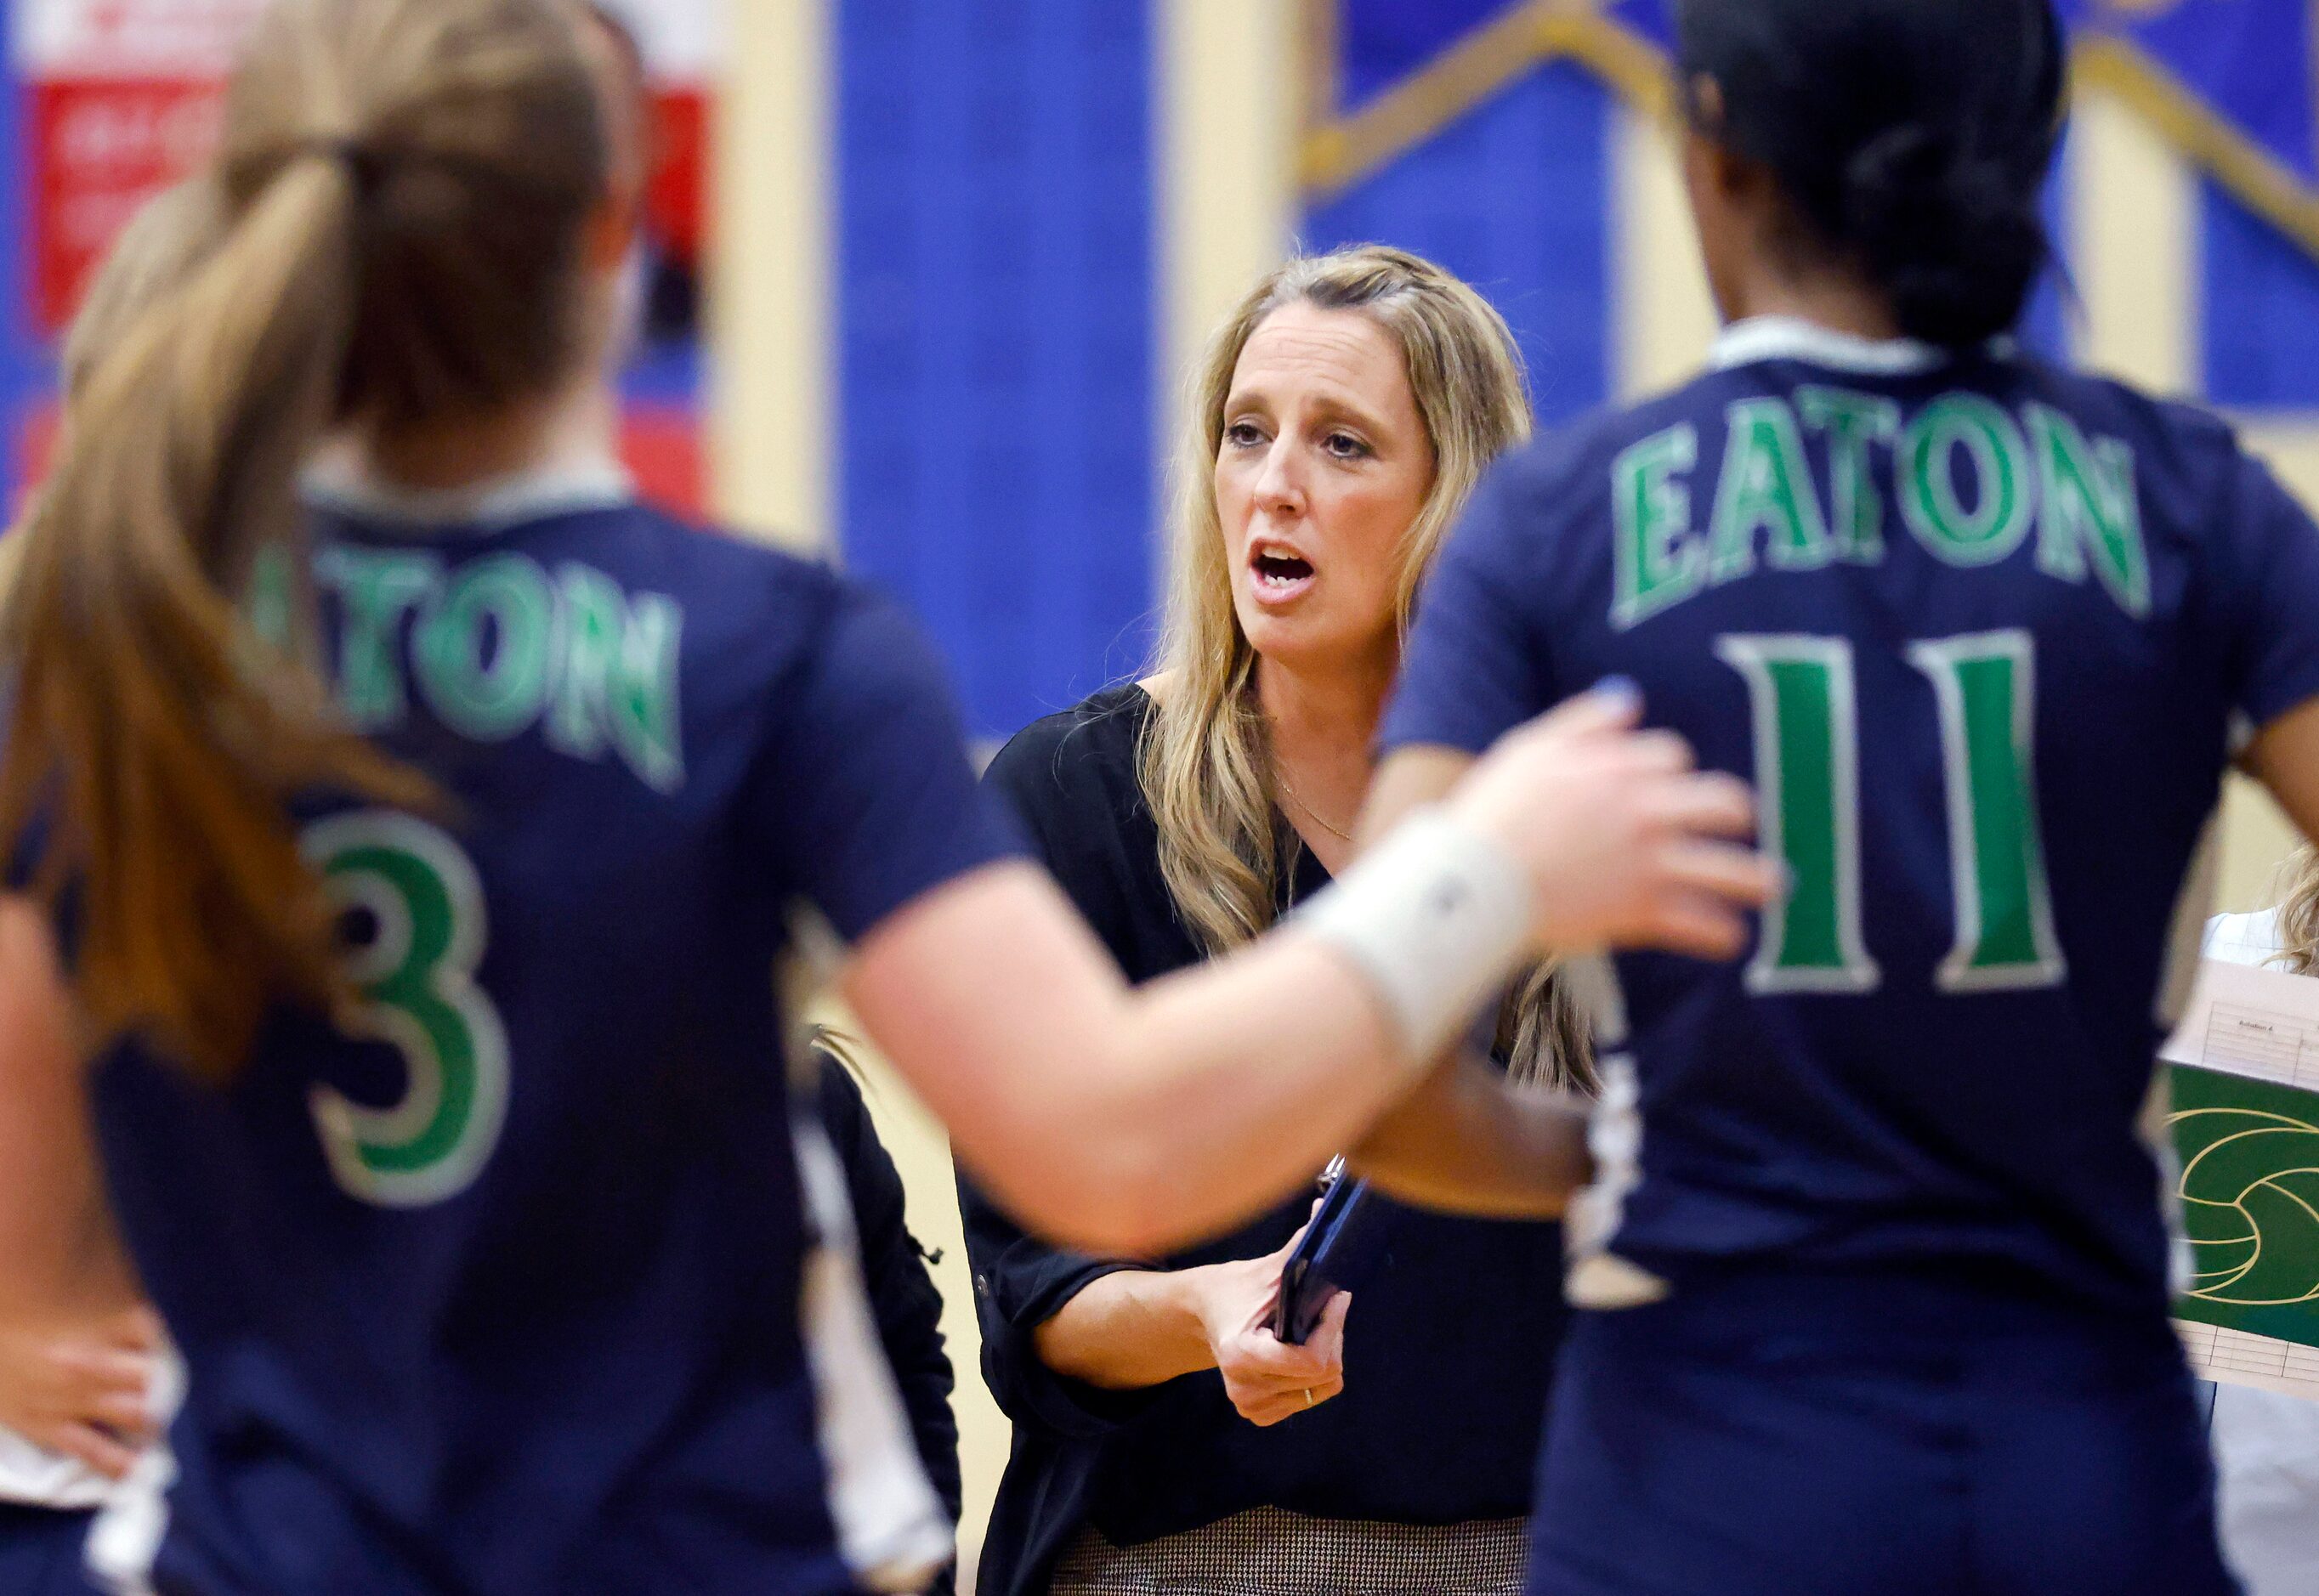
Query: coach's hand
1267, 1379
1627, 843
83, 1393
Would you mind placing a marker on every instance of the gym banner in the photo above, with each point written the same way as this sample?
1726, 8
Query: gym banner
121, 99
2234, 84
2250, 58
2249, 63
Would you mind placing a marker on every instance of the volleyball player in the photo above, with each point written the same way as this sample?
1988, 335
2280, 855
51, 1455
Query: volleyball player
94, 1381
426, 1030
1878, 1300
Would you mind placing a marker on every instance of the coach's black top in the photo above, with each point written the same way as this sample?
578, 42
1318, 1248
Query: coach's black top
1447, 1356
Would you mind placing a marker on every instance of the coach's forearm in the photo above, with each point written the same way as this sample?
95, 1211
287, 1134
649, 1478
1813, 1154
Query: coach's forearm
1127, 1330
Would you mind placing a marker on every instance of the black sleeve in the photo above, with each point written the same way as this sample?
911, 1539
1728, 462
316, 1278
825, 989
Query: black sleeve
1050, 776
902, 1293
1020, 1282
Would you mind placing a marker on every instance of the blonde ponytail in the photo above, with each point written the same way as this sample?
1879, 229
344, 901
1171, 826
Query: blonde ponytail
164, 764
394, 173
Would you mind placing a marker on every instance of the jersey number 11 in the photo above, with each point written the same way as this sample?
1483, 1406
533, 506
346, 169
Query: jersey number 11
1807, 731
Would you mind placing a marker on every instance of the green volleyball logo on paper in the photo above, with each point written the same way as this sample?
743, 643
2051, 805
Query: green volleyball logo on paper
2250, 1199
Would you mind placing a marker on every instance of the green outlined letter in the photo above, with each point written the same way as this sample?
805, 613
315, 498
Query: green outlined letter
1659, 561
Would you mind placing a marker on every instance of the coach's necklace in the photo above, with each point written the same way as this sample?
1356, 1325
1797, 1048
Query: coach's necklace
1281, 776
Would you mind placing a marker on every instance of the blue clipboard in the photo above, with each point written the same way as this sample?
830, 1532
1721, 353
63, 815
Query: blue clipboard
1345, 1244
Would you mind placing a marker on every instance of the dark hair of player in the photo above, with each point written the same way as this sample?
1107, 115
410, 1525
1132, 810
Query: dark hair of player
1911, 139
408, 192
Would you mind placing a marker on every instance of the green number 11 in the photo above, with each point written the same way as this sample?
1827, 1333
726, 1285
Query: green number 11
1803, 696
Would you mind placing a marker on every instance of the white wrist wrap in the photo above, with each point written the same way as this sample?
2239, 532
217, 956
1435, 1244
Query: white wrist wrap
1436, 918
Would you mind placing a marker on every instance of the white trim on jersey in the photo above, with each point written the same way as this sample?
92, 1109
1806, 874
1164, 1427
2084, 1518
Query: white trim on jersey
568, 486
892, 1529
1789, 337
1597, 1278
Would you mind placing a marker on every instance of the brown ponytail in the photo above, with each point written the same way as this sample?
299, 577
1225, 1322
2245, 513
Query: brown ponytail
404, 189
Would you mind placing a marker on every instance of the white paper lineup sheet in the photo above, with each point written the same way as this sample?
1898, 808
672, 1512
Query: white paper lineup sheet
2244, 1126
2236, 1357
2251, 1020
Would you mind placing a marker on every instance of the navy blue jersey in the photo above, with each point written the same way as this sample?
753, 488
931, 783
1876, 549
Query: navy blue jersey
1978, 631
500, 1294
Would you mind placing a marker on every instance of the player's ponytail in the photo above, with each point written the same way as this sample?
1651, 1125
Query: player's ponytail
1911, 138
404, 186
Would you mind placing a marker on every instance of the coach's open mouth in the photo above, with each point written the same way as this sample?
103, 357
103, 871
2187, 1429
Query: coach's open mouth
1281, 573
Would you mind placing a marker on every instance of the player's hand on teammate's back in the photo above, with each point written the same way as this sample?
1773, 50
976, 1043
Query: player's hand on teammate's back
84, 1393
1627, 844
1267, 1379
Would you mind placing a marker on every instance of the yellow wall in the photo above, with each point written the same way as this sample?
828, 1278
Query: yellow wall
772, 362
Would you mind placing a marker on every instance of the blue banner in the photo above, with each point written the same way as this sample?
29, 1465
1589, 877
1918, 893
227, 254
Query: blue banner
1382, 43
2250, 63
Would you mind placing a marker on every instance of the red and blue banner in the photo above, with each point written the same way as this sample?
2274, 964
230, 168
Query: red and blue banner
113, 100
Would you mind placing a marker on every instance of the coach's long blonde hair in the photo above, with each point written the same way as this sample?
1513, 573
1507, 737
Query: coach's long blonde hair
2299, 915
1206, 761
405, 190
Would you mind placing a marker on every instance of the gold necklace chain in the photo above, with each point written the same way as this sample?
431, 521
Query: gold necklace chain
1281, 776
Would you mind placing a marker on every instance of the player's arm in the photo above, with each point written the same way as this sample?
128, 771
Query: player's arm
58, 1250
1116, 1122
1466, 1142
75, 1341
2283, 756
2265, 569
1130, 1123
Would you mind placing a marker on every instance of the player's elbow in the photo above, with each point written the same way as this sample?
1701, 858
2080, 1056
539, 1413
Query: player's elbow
1113, 1197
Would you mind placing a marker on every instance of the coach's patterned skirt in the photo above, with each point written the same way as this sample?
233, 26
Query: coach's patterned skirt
1266, 1552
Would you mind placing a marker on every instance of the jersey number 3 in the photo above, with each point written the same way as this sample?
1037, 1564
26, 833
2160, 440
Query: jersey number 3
1806, 726
414, 975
